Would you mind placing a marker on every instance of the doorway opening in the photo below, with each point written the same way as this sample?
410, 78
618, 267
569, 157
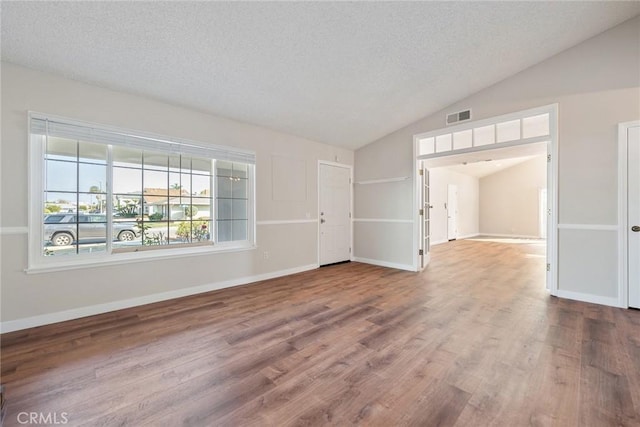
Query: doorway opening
528, 138
501, 197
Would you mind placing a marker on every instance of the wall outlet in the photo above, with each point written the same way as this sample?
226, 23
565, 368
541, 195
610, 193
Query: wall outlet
265, 255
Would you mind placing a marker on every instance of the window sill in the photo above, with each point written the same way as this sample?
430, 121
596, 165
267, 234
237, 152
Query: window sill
134, 257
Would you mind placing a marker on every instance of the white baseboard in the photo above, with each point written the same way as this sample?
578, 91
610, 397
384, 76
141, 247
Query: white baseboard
469, 236
595, 299
466, 236
384, 263
76, 313
508, 236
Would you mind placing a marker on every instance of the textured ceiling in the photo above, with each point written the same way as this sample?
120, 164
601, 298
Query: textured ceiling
476, 163
489, 167
343, 73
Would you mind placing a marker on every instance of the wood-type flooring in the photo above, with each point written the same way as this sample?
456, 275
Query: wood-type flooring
474, 340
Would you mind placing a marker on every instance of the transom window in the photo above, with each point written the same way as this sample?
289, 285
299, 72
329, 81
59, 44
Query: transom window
100, 193
508, 131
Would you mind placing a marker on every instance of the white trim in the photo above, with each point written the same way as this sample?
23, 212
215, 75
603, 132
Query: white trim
76, 313
623, 248
383, 180
395, 221
542, 212
340, 165
14, 230
552, 175
214, 150
594, 227
492, 121
451, 208
509, 236
384, 263
141, 256
37, 263
623, 289
472, 236
468, 236
287, 221
552, 202
422, 183
416, 188
487, 147
439, 242
35, 182
594, 299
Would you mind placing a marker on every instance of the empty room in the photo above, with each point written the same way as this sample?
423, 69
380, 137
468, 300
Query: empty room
320, 213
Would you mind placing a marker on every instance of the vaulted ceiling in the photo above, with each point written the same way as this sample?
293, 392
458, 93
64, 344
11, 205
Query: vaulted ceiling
343, 73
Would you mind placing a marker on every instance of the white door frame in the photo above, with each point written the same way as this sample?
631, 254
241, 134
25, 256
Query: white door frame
552, 176
542, 220
340, 165
425, 182
452, 211
623, 253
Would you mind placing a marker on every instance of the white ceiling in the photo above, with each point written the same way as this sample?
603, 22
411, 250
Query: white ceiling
343, 73
488, 161
487, 167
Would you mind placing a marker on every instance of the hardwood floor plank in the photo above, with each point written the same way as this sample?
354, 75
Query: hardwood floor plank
606, 399
554, 393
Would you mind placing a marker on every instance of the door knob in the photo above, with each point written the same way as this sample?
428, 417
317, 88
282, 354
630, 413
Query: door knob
635, 228
322, 221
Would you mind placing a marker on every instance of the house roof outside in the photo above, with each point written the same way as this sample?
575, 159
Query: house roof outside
196, 201
159, 196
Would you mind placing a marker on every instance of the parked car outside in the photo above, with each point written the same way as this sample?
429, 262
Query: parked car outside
62, 229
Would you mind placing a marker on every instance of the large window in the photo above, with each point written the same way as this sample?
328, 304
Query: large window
99, 194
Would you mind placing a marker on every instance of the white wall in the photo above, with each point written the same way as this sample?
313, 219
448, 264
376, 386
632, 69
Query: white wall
468, 204
29, 299
509, 199
596, 85
387, 206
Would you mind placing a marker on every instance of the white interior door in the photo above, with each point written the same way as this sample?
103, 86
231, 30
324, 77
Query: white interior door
542, 214
452, 212
335, 214
551, 236
425, 215
633, 214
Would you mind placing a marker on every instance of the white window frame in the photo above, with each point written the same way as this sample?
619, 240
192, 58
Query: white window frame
38, 263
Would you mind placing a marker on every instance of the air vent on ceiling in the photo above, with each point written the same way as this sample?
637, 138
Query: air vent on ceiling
460, 116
